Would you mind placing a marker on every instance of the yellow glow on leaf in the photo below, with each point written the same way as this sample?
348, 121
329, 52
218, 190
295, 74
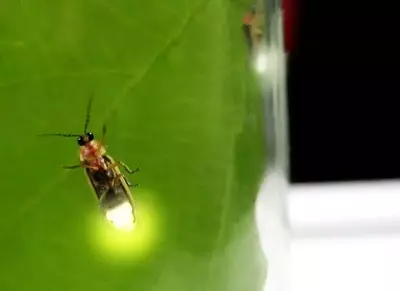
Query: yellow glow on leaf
124, 244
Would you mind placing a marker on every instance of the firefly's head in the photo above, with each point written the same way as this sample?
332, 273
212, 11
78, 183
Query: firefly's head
85, 139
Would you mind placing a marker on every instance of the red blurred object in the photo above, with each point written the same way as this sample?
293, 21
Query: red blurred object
290, 14
248, 18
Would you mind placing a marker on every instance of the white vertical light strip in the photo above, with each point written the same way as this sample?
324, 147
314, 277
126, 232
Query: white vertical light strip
274, 234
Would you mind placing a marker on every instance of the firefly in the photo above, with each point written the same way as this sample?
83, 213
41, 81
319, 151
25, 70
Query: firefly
110, 186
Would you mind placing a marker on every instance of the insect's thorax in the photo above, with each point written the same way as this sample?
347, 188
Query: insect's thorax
92, 153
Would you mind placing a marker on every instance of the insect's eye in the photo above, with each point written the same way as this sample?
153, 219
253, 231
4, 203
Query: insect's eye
91, 136
81, 141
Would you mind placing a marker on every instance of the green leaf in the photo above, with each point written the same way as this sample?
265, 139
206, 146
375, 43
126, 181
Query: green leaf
171, 80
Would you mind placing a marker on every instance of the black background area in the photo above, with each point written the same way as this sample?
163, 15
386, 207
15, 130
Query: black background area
343, 92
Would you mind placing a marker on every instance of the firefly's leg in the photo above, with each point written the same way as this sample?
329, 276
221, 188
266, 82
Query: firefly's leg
116, 164
130, 185
72, 167
127, 182
115, 179
82, 165
127, 168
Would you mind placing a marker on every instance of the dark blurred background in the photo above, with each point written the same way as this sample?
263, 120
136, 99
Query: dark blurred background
343, 90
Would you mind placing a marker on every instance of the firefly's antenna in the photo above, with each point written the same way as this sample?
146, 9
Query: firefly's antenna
88, 108
60, 134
